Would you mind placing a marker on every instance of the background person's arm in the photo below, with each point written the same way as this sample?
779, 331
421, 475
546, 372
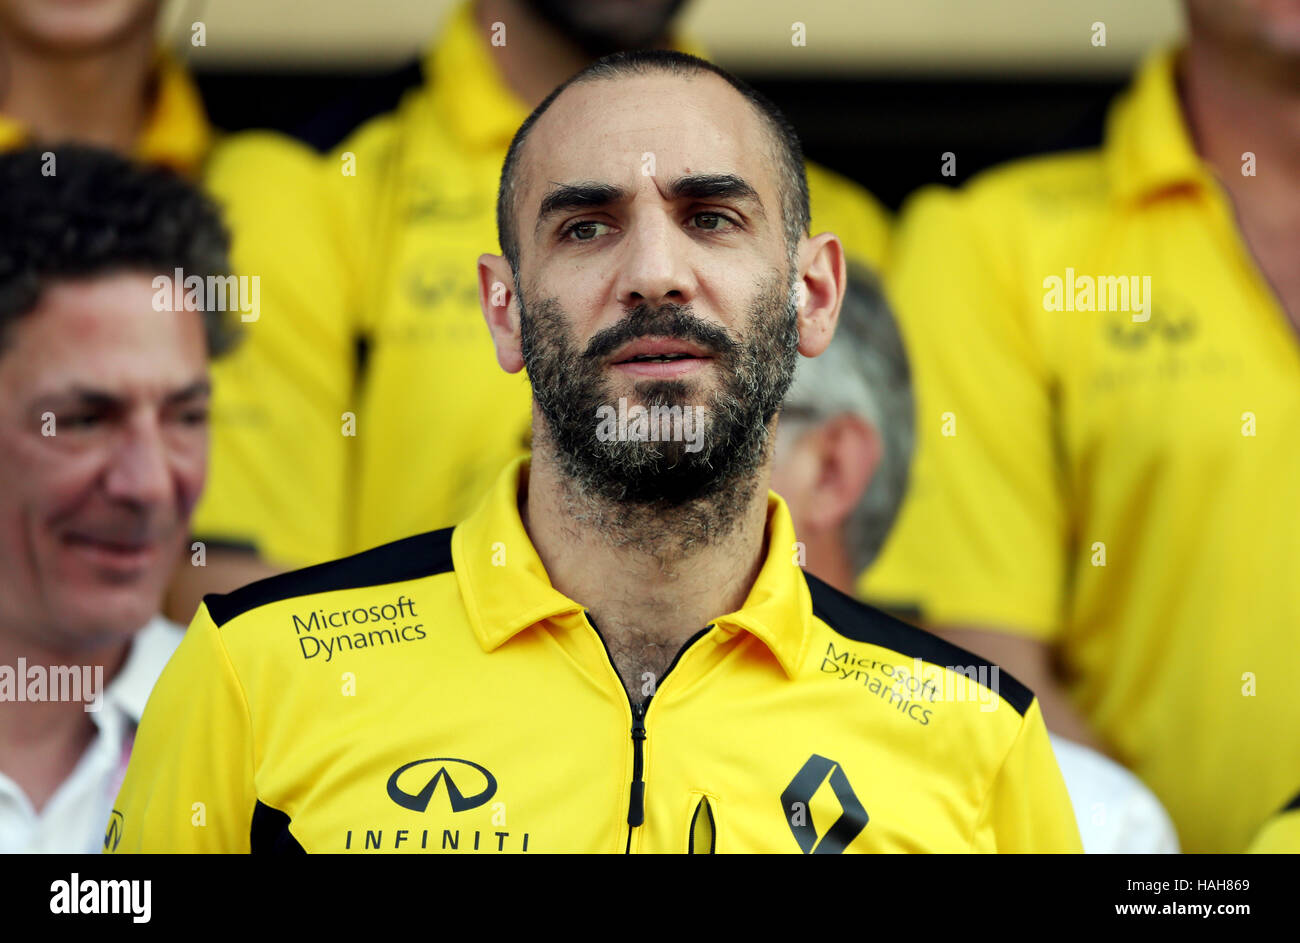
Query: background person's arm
1031, 662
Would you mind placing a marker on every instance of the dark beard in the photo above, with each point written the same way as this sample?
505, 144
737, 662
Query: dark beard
662, 493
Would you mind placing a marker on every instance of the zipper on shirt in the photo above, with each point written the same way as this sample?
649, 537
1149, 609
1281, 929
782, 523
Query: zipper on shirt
636, 801
636, 805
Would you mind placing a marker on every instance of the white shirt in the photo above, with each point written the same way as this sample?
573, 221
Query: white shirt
1116, 812
77, 814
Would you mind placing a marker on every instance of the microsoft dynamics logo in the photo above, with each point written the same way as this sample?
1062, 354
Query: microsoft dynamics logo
796, 804
467, 775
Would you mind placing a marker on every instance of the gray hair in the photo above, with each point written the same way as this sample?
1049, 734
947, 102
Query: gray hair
865, 373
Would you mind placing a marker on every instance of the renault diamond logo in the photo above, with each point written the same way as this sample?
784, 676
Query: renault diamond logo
797, 798
464, 769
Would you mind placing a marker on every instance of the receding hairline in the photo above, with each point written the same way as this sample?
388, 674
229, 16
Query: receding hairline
646, 71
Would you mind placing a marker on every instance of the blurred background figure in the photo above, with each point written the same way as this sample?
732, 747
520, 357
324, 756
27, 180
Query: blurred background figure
1107, 358
1281, 833
844, 443
843, 453
366, 403
92, 72
103, 429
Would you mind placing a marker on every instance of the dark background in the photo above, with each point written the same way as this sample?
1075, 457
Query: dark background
889, 134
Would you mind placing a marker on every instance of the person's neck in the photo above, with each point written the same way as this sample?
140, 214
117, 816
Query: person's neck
536, 56
660, 574
42, 741
100, 98
1232, 108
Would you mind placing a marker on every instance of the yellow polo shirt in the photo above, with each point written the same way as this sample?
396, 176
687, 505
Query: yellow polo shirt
1280, 834
438, 694
366, 403
1118, 481
176, 132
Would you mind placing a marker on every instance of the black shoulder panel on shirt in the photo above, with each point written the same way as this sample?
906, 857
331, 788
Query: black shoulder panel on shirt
270, 833
860, 622
407, 559
1293, 805
329, 128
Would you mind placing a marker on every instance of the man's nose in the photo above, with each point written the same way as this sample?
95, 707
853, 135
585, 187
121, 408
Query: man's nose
655, 269
139, 469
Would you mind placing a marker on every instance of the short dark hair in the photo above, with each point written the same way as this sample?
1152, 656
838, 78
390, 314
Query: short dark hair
793, 179
72, 212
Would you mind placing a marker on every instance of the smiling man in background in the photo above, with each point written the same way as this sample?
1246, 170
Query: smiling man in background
103, 429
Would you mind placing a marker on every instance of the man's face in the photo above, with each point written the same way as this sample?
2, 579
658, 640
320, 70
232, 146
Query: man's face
103, 428
1264, 29
654, 273
74, 26
609, 25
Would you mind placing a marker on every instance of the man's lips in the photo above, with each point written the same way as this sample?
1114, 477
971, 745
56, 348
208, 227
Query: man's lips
660, 357
113, 552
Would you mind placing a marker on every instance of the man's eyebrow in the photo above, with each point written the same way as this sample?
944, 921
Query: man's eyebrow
102, 399
196, 389
563, 197
712, 186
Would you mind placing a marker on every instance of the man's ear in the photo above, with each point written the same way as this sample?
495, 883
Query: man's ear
821, 292
849, 449
497, 298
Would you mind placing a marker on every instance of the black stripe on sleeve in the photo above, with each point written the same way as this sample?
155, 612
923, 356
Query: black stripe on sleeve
270, 833
860, 622
407, 559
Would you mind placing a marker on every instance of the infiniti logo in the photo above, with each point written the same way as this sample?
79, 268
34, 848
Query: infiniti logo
113, 837
419, 801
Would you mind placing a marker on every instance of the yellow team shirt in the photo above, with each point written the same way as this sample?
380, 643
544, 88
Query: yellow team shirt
365, 403
438, 694
1280, 834
176, 132
1123, 483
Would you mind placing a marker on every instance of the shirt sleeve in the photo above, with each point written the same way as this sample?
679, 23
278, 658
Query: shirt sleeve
1280, 834
189, 784
1027, 808
981, 536
279, 452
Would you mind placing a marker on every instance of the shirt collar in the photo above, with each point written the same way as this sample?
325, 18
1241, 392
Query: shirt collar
1148, 145
150, 650
176, 132
467, 89
506, 588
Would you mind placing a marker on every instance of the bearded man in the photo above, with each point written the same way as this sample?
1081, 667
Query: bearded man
618, 651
